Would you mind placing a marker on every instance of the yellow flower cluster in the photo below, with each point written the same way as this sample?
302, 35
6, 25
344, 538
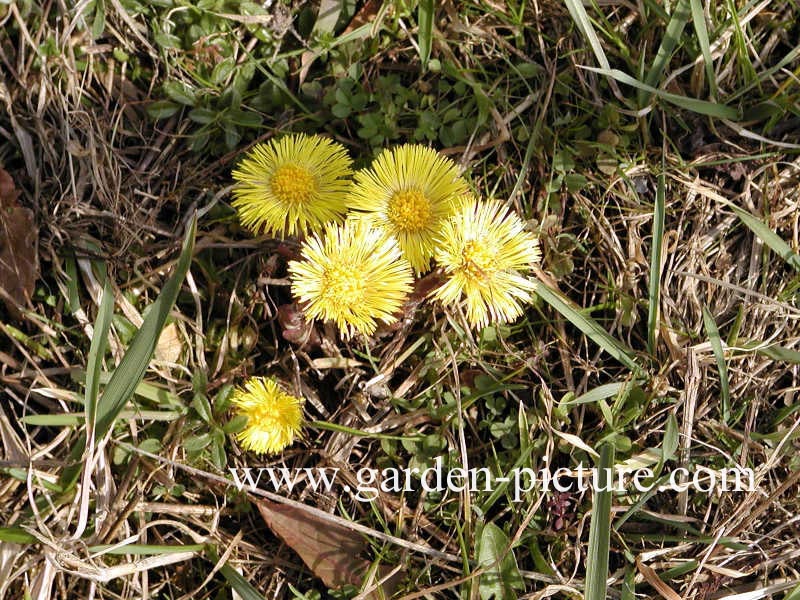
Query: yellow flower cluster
274, 417
364, 240
368, 236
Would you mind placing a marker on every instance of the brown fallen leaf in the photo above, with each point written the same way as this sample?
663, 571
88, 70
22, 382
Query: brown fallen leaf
18, 261
655, 581
367, 13
333, 552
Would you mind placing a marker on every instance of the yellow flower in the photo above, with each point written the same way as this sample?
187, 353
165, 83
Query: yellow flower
409, 192
485, 253
295, 184
274, 417
354, 275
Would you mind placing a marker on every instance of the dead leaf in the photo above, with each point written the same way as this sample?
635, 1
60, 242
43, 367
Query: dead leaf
655, 581
169, 347
18, 261
367, 13
333, 552
295, 328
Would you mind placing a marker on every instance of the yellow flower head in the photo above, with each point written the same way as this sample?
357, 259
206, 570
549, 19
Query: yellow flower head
409, 192
274, 417
295, 184
354, 275
485, 253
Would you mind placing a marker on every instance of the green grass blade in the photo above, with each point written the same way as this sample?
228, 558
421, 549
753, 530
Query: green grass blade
581, 18
602, 392
699, 21
76, 419
133, 365
16, 535
780, 353
127, 376
793, 595
701, 107
654, 289
600, 528
588, 326
328, 15
716, 346
425, 15
240, 585
672, 35
97, 351
769, 237
629, 584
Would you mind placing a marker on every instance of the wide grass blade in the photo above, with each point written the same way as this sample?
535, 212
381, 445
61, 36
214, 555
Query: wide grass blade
602, 392
701, 107
716, 346
666, 49
239, 584
97, 351
698, 18
654, 289
127, 376
588, 326
581, 18
600, 528
769, 237
133, 365
425, 15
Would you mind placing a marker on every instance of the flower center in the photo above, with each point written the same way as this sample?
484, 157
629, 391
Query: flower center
409, 210
478, 260
293, 185
343, 285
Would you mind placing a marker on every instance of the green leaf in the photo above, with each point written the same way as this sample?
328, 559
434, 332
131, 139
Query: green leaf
203, 116
769, 237
16, 535
578, 13
196, 443
793, 595
180, 93
654, 287
162, 109
716, 346
502, 575
99, 22
702, 107
588, 326
670, 443
236, 581
328, 16
201, 404
600, 528
699, 20
672, 35
97, 351
222, 71
133, 365
780, 353
74, 419
426, 12
235, 425
601, 392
